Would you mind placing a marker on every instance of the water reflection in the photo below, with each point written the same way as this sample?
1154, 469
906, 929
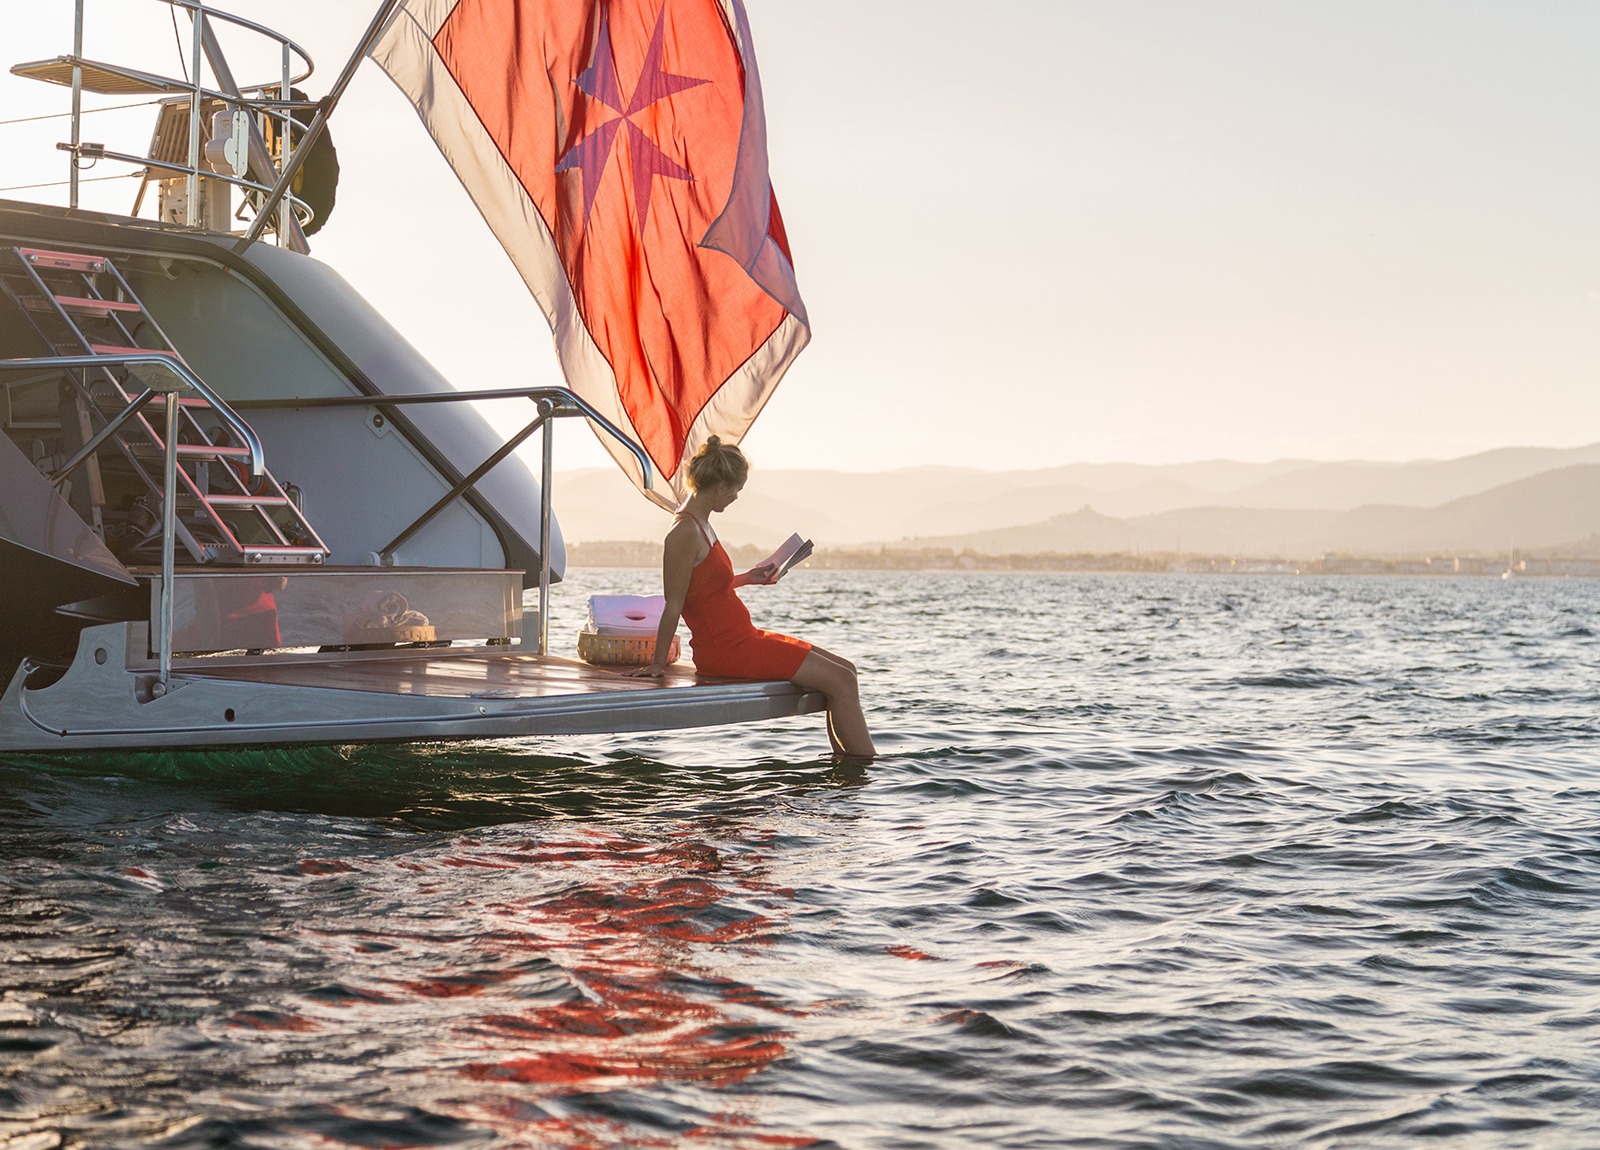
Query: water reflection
455, 786
329, 980
574, 972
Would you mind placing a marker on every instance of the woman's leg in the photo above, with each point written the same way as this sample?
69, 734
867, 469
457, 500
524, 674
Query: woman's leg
836, 678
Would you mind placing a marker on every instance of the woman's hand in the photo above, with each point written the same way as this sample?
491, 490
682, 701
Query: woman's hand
766, 573
648, 671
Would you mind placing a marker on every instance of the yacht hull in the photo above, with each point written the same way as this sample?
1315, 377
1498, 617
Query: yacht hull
108, 700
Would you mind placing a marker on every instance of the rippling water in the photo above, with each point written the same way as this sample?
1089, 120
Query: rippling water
1148, 862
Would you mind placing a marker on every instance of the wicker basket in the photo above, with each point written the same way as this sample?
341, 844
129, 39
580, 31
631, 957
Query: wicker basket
620, 650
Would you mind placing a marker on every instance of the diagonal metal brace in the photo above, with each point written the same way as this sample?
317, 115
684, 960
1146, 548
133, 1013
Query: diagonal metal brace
59, 476
386, 555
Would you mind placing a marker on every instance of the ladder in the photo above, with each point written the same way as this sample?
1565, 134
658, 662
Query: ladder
80, 304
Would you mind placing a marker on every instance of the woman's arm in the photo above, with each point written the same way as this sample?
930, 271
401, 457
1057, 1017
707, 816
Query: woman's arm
766, 573
677, 566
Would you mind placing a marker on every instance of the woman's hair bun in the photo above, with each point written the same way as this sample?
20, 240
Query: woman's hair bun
717, 462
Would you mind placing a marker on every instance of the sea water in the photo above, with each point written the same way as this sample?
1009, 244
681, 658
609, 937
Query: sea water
1147, 861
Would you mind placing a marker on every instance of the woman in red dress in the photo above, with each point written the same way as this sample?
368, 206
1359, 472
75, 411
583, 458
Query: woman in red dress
699, 582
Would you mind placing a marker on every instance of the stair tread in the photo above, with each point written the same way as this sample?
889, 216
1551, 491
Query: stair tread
50, 292
64, 261
90, 304
194, 451
113, 349
217, 500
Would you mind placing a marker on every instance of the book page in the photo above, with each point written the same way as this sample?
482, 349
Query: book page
791, 552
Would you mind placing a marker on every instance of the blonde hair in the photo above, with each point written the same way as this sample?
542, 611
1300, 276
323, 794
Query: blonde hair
718, 462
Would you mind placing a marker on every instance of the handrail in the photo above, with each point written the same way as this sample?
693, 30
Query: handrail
201, 8
580, 406
236, 425
296, 67
303, 210
553, 403
564, 395
169, 468
198, 6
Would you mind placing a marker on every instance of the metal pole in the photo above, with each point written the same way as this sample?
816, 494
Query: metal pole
191, 210
111, 428
77, 102
287, 223
290, 235
546, 471
314, 132
169, 538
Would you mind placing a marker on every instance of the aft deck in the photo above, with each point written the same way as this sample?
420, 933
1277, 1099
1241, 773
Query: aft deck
107, 699
550, 684
476, 673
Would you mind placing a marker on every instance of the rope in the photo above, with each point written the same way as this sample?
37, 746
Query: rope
64, 183
177, 39
85, 111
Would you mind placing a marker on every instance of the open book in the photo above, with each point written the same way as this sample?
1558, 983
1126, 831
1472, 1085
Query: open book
792, 552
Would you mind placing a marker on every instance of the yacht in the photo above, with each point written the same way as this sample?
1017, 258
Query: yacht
237, 508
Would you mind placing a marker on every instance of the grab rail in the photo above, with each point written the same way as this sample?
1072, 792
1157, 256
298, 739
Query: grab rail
296, 66
236, 425
552, 402
169, 464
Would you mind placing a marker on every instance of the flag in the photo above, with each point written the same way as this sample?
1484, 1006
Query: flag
617, 149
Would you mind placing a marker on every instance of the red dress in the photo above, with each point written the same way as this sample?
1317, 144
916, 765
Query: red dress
724, 640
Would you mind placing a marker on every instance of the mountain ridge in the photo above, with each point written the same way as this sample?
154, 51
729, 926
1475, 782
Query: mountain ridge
1283, 507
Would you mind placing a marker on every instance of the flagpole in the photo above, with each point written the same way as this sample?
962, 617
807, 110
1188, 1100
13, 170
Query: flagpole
318, 125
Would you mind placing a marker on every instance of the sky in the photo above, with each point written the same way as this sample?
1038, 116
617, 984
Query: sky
1038, 232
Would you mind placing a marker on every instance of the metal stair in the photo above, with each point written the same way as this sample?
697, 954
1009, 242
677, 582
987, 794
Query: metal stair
80, 304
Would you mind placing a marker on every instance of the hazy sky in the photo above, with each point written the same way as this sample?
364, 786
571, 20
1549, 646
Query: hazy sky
1033, 232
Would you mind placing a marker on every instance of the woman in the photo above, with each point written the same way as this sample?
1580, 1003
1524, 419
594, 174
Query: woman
699, 583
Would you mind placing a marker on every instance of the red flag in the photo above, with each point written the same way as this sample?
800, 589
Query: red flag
617, 148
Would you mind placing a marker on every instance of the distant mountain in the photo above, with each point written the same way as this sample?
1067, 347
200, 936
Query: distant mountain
1551, 510
1031, 504
1425, 483
1558, 510
1204, 530
1217, 476
600, 504
1286, 507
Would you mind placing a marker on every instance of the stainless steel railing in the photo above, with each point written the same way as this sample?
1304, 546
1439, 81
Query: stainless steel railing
552, 403
182, 378
268, 98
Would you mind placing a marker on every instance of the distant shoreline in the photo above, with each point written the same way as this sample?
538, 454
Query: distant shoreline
631, 554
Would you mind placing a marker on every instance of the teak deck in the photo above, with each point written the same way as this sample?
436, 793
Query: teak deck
445, 673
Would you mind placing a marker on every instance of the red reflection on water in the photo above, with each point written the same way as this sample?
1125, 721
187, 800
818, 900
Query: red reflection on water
575, 968
457, 861
458, 985
275, 1020
603, 986
324, 866
725, 1130
692, 1054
